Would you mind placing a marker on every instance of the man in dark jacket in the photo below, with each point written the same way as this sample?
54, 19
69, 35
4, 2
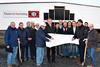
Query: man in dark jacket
22, 39
40, 44
11, 36
50, 29
92, 43
32, 47
81, 35
29, 36
57, 31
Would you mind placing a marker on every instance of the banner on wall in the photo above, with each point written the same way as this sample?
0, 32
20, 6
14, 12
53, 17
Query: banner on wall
21, 14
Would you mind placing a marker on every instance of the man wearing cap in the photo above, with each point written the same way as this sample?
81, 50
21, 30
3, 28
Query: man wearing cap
40, 44
81, 34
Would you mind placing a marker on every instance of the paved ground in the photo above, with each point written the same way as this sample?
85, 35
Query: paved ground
60, 61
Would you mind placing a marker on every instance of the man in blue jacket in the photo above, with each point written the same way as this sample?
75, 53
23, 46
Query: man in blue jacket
11, 37
40, 44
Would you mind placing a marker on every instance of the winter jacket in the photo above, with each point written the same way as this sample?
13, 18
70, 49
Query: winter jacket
92, 38
49, 29
80, 33
41, 38
29, 34
33, 36
11, 36
22, 36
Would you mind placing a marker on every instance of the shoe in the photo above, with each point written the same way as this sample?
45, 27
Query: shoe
74, 56
9, 65
71, 56
38, 65
90, 66
82, 64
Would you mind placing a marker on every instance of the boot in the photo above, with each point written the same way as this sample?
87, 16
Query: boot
9, 65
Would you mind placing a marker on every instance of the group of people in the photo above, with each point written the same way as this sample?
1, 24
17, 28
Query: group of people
26, 37
32, 40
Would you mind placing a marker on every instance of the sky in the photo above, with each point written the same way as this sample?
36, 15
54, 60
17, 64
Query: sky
86, 2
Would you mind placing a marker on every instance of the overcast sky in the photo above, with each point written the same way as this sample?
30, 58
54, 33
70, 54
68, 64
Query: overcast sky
87, 2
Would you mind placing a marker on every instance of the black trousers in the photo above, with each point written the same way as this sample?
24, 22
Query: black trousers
51, 54
32, 51
57, 50
81, 48
30, 48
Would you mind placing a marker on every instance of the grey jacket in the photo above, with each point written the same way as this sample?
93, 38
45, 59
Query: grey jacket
92, 38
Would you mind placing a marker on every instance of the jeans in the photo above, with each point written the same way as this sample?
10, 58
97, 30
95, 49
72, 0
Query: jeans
39, 55
12, 56
91, 53
67, 50
74, 50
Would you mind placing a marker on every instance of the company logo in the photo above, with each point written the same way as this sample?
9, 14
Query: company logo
33, 14
21, 14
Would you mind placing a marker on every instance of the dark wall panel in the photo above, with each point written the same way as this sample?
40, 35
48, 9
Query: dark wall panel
59, 7
72, 16
51, 14
59, 14
67, 14
46, 15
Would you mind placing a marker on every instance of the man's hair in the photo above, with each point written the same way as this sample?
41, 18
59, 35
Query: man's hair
80, 20
20, 23
86, 22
